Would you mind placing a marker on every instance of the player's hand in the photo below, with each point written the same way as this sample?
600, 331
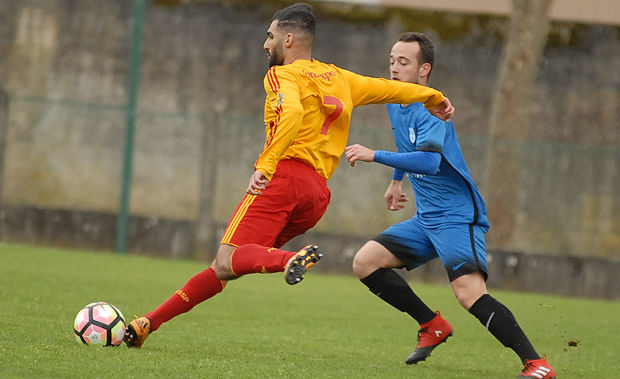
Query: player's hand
258, 182
358, 152
394, 196
444, 110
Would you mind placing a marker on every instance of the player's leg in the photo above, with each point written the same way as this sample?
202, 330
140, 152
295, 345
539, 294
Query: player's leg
255, 258
199, 288
501, 323
248, 240
292, 203
373, 264
468, 255
203, 286
462, 249
258, 223
402, 245
211, 281
468, 288
306, 198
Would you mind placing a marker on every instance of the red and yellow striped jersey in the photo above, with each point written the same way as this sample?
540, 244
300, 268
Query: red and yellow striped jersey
308, 111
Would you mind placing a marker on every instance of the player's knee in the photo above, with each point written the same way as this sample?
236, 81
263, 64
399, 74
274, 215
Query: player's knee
464, 300
467, 297
221, 265
358, 265
222, 270
469, 288
364, 264
371, 257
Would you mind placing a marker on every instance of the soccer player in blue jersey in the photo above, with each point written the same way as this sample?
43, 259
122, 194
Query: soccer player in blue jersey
450, 221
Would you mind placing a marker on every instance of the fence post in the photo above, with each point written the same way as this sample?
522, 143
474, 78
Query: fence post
206, 233
4, 126
132, 98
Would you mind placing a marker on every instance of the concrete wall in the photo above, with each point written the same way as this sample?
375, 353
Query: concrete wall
199, 128
583, 11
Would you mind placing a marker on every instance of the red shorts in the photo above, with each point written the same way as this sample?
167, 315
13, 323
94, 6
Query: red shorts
292, 203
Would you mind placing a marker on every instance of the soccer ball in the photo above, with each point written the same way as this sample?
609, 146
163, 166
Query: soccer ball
99, 324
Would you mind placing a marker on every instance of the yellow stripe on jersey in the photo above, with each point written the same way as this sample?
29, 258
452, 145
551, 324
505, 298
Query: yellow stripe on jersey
308, 109
236, 219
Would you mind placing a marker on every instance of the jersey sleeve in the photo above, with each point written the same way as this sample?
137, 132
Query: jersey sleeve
398, 174
419, 162
367, 90
431, 132
283, 118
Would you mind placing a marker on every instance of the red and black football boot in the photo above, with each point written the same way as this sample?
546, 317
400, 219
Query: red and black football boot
430, 335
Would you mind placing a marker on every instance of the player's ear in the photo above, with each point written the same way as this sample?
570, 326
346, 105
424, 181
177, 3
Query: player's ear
288, 41
425, 69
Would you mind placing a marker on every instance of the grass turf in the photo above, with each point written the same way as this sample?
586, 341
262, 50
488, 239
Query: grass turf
327, 326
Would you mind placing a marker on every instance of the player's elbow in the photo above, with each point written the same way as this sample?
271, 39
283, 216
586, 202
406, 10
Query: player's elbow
433, 161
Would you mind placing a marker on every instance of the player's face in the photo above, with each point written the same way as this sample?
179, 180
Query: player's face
404, 64
273, 45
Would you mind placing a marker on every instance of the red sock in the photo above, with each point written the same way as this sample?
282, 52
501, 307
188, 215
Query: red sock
252, 258
198, 289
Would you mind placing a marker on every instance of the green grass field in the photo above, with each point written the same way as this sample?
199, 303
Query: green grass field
327, 326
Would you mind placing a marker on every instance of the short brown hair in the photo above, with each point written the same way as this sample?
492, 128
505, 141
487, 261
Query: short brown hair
427, 51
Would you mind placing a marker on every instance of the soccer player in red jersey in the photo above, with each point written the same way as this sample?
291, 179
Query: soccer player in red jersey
308, 109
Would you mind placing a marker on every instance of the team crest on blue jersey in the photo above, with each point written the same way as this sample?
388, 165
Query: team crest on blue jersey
411, 134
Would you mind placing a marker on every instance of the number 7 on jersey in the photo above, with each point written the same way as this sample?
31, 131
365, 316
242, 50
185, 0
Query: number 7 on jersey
330, 100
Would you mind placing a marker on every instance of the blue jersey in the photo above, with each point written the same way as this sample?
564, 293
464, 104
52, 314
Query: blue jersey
449, 196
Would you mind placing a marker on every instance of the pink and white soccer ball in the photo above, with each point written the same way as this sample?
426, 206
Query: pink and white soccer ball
99, 323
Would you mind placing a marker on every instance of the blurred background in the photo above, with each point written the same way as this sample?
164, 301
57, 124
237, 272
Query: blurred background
133, 125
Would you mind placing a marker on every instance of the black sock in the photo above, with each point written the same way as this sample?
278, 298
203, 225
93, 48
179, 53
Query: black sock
502, 324
394, 290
